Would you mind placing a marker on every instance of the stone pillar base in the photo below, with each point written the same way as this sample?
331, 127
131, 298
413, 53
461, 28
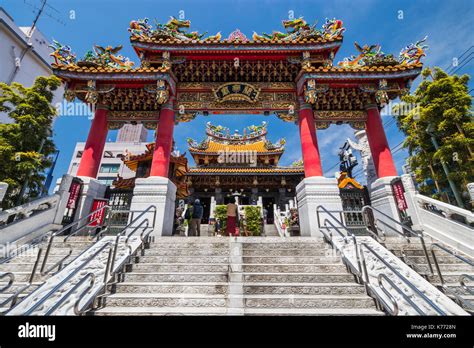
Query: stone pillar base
160, 192
91, 189
312, 192
382, 198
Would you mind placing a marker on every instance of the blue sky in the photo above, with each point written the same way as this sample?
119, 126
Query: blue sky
392, 24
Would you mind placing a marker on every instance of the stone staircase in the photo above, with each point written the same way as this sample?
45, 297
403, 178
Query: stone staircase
22, 265
270, 230
238, 276
451, 267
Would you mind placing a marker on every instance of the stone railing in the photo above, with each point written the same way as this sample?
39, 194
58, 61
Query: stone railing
449, 224
279, 218
27, 210
446, 210
32, 219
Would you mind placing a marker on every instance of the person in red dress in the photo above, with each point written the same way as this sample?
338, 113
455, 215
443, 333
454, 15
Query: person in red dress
231, 217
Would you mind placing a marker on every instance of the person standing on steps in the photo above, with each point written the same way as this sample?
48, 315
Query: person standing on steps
231, 217
196, 216
187, 217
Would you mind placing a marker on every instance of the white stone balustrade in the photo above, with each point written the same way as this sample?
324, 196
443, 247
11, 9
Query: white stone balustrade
32, 219
440, 220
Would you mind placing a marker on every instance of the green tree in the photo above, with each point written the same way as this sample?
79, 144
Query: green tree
442, 112
24, 143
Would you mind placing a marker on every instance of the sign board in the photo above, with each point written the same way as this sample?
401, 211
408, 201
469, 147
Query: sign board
98, 217
399, 194
236, 91
74, 192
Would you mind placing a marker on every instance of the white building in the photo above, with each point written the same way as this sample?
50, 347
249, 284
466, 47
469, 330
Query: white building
129, 138
24, 55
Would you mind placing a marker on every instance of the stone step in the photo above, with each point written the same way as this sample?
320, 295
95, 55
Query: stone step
288, 252
451, 267
71, 244
144, 260
178, 267
165, 300
223, 267
173, 287
15, 287
304, 288
314, 311
418, 252
249, 301
308, 301
24, 277
161, 311
188, 246
448, 277
406, 246
287, 245
53, 258
291, 259
247, 277
440, 259
188, 252
173, 311
28, 266
298, 277
177, 277
294, 268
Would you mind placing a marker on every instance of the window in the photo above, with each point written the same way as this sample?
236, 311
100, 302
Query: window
106, 180
79, 154
109, 168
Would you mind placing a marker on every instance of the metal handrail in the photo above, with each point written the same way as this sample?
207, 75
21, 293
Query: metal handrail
412, 232
381, 277
463, 284
346, 260
133, 232
73, 289
358, 273
65, 228
10, 282
113, 246
329, 212
138, 211
400, 276
446, 250
109, 269
130, 226
68, 277
14, 297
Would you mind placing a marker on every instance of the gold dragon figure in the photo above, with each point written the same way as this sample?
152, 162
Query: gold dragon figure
294, 28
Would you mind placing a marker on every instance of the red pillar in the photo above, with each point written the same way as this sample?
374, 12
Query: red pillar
95, 143
164, 141
381, 153
309, 142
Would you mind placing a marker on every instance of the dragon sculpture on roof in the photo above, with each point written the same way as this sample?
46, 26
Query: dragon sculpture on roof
298, 28
62, 54
412, 53
174, 28
373, 56
140, 28
106, 57
368, 56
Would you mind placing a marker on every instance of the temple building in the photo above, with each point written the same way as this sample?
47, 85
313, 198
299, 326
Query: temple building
240, 165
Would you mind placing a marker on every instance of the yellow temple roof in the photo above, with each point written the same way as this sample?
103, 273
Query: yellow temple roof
214, 147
